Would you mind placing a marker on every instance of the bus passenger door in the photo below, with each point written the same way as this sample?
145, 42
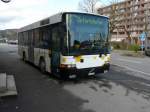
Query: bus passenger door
55, 54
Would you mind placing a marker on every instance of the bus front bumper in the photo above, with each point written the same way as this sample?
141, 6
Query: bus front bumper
74, 72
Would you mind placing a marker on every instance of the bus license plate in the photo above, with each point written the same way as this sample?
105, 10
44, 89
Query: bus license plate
72, 76
91, 73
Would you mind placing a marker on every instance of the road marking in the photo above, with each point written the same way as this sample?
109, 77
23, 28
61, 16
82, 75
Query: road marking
131, 61
134, 70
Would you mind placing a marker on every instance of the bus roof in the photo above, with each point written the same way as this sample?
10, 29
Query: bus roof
52, 20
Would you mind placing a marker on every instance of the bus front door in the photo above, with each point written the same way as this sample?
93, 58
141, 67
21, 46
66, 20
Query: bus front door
55, 54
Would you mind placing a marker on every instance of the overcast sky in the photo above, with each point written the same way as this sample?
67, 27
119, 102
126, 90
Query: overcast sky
19, 13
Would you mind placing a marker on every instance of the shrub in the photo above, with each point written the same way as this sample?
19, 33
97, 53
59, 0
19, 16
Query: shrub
115, 45
123, 46
119, 45
134, 47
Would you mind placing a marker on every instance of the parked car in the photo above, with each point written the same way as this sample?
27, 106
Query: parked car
147, 46
12, 42
147, 50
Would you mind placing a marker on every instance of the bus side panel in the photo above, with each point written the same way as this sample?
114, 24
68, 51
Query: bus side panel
48, 61
36, 56
38, 53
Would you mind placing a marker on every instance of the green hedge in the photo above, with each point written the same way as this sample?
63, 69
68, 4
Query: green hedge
125, 46
119, 45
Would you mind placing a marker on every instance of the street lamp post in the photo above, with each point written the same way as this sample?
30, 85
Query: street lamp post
6, 1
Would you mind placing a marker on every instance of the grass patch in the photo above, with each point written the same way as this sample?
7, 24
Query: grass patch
133, 54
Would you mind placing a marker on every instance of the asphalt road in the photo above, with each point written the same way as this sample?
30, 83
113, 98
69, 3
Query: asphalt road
141, 65
116, 91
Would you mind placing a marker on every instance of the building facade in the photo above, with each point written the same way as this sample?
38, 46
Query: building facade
129, 19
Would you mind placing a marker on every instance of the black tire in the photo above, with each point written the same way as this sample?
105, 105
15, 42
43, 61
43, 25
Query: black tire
42, 66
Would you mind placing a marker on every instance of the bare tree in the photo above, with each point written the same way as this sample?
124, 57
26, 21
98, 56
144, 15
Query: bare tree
88, 5
114, 16
147, 21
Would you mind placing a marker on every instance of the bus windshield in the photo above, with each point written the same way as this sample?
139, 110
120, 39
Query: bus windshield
87, 34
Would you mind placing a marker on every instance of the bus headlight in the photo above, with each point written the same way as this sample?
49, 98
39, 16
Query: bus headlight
107, 59
71, 66
103, 57
67, 66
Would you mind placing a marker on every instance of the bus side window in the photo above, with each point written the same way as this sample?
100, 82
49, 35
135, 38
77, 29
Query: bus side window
63, 34
19, 38
22, 39
25, 38
30, 37
56, 39
36, 38
45, 36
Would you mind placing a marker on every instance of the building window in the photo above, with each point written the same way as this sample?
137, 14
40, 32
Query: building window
121, 33
142, 5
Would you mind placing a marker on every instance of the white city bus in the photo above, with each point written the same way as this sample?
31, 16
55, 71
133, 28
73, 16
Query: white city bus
67, 44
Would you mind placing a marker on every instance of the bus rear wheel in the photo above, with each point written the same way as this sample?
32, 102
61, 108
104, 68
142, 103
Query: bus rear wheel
42, 66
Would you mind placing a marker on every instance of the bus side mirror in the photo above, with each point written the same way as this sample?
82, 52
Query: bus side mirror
6, 1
